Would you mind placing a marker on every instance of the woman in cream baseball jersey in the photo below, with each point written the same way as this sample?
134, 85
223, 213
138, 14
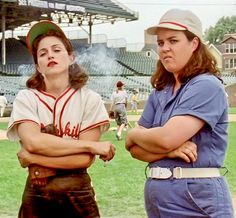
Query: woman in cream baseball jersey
56, 95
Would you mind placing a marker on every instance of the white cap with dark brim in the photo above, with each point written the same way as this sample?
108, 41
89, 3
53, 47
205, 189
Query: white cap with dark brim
177, 19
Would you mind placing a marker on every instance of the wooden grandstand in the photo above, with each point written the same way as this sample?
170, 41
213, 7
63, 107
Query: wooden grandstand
105, 65
16, 63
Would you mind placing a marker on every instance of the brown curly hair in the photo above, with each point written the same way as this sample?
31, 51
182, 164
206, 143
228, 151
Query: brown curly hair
77, 75
201, 62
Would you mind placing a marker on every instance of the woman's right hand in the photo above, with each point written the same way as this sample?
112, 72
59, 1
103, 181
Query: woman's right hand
187, 152
24, 158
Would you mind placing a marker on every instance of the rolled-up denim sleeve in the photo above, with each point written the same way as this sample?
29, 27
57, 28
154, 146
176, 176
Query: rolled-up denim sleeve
146, 120
205, 99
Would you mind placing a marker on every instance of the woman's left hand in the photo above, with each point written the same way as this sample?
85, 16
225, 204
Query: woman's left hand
187, 151
109, 152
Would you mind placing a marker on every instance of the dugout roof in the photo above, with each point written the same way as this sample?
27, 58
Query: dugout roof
14, 13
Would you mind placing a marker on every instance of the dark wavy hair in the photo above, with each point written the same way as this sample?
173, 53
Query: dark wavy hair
202, 61
77, 75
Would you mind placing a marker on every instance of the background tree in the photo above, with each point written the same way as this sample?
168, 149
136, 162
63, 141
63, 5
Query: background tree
223, 26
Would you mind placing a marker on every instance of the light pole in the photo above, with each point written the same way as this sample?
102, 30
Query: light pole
90, 24
88, 33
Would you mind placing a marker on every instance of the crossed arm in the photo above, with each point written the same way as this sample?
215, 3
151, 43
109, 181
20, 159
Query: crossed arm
171, 140
55, 152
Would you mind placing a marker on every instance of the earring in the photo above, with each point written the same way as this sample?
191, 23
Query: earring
74, 68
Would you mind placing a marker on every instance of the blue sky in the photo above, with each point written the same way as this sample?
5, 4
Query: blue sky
150, 12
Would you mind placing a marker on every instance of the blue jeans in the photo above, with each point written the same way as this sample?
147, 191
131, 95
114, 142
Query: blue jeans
66, 195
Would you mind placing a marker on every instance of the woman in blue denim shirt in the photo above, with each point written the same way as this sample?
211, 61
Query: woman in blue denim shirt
188, 103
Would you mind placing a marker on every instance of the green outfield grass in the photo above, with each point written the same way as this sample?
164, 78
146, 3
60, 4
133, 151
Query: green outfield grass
133, 113
3, 126
119, 186
232, 110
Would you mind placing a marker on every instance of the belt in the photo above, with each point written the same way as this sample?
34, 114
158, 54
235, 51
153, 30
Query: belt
63, 172
181, 173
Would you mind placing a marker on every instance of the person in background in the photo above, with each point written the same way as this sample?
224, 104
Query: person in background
118, 105
56, 98
188, 105
3, 104
134, 101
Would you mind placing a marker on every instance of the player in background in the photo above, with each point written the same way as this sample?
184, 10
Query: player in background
57, 96
3, 104
118, 105
134, 102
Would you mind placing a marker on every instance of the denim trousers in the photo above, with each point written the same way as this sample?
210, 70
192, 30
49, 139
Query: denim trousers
188, 198
67, 195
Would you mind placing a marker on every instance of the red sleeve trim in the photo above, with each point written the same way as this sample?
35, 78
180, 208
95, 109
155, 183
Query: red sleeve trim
95, 125
23, 121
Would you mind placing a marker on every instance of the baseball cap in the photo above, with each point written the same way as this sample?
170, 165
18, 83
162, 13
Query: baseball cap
177, 19
119, 84
40, 28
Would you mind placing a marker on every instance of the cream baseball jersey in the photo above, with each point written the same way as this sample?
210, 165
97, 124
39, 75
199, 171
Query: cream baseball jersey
73, 112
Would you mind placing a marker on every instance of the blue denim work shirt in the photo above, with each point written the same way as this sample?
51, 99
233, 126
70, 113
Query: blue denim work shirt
203, 97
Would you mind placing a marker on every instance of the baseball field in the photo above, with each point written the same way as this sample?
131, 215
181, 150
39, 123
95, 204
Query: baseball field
119, 185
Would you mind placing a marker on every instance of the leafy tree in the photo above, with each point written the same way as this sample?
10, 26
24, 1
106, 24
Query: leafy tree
223, 26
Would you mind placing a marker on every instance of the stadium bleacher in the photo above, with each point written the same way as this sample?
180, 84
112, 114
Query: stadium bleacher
229, 79
104, 65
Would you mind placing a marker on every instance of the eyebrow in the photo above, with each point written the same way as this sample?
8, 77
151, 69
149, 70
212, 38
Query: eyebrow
171, 37
55, 45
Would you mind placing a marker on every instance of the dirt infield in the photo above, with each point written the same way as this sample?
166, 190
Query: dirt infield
232, 117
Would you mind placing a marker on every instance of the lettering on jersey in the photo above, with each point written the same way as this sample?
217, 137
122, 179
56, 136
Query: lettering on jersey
70, 131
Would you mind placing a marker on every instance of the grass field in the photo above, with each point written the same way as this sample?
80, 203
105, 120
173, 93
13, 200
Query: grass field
232, 110
119, 186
